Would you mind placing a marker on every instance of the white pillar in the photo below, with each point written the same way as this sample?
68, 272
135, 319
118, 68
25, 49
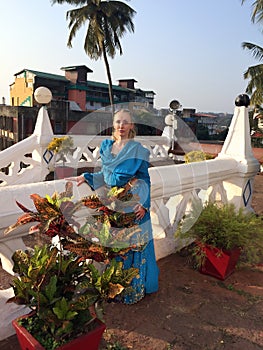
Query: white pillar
238, 146
44, 132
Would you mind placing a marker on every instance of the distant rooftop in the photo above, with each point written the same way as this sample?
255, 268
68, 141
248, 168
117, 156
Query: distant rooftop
43, 74
76, 68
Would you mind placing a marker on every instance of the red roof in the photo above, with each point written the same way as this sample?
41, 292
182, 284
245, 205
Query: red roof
206, 115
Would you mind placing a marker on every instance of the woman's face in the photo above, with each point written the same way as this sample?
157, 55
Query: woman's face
122, 124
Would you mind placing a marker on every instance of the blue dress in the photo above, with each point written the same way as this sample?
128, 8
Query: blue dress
131, 162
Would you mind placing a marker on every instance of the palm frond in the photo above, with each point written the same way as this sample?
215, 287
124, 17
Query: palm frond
256, 50
255, 85
257, 10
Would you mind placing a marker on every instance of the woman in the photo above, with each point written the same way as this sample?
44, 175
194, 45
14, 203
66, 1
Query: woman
125, 164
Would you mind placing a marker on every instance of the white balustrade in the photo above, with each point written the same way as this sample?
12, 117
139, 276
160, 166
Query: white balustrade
29, 161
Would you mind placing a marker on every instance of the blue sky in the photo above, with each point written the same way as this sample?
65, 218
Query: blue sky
185, 50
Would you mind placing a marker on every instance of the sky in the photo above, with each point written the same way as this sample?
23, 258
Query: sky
184, 50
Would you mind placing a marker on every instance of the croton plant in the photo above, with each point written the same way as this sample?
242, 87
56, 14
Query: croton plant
107, 233
60, 282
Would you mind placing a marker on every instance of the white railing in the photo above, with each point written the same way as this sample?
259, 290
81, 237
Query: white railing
29, 160
228, 178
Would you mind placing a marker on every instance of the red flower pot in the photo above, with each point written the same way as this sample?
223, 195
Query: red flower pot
89, 341
218, 263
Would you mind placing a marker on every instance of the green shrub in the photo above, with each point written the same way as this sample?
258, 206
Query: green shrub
224, 227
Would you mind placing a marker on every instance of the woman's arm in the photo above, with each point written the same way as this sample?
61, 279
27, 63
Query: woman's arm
79, 179
93, 180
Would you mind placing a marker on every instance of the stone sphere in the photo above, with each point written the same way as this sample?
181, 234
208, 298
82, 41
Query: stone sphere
242, 100
174, 105
43, 95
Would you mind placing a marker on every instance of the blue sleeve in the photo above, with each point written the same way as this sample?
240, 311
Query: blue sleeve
95, 180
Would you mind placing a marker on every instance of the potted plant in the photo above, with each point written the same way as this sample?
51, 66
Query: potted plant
62, 146
221, 233
59, 291
61, 283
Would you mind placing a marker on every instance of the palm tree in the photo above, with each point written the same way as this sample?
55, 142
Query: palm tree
108, 21
255, 73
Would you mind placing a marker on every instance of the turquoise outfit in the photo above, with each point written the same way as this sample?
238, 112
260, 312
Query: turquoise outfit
131, 162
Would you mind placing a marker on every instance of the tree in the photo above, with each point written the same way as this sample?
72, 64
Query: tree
255, 73
257, 10
108, 21
202, 132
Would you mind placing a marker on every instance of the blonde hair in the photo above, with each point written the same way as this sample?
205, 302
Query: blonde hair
132, 132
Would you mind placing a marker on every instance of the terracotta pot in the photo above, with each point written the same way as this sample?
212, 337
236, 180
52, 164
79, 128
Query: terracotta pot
63, 171
89, 341
219, 263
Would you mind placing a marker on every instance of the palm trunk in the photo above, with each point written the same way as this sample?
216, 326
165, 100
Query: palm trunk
109, 79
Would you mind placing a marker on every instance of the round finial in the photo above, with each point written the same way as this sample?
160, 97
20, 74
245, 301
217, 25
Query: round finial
242, 100
43, 95
174, 105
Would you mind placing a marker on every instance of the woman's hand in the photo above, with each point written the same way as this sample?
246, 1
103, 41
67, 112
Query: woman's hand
139, 211
79, 179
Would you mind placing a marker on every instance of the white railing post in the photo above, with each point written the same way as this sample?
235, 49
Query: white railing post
238, 146
44, 132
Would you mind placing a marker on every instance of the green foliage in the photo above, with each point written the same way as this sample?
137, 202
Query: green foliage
61, 285
110, 224
106, 234
112, 281
197, 156
115, 346
224, 227
202, 132
49, 283
60, 288
61, 145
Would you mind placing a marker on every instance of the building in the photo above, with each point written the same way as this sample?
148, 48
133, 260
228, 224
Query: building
73, 99
27, 81
208, 121
74, 87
